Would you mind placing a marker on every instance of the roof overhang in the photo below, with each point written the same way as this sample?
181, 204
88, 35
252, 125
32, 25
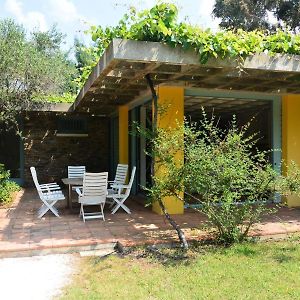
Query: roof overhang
50, 107
119, 76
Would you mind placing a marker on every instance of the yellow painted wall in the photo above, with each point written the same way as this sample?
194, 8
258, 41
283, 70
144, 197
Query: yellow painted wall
171, 107
123, 134
291, 136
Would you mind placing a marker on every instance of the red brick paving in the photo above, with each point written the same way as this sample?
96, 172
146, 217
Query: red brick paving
21, 230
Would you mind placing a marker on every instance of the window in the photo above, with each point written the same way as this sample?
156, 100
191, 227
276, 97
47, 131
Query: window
72, 126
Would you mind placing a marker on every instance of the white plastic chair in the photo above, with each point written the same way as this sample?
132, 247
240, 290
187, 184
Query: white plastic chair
49, 194
93, 192
122, 193
76, 171
120, 177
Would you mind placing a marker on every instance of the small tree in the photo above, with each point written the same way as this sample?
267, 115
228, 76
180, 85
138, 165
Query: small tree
224, 172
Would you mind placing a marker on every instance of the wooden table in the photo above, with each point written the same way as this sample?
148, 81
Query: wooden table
72, 182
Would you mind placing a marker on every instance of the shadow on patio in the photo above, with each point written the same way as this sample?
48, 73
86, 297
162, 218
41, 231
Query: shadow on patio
21, 230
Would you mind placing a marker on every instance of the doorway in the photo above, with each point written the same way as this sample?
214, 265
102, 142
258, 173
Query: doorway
11, 154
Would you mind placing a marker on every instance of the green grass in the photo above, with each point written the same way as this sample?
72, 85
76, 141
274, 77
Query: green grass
269, 270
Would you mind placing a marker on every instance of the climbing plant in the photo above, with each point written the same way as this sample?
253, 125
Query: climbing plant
160, 24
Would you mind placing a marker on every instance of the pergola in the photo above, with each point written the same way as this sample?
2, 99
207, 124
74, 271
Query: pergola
119, 76
117, 85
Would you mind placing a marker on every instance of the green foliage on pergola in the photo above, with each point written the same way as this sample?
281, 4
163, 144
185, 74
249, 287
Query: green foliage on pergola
160, 24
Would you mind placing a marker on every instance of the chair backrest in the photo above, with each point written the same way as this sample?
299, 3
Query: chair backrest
76, 171
128, 189
121, 174
36, 182
95, 186
34, 177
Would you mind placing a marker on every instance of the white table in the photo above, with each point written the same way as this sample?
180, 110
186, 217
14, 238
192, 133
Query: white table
72, 182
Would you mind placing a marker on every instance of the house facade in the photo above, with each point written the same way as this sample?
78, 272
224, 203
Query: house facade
117, 95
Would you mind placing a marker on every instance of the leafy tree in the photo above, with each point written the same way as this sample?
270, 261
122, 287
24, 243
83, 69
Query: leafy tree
31, 68
82, 55
223, 171
48, 42
253, 14
289, 13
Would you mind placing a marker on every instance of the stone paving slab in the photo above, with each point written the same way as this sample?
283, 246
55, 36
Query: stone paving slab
21, 230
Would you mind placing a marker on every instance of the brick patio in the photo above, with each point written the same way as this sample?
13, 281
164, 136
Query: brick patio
22, 232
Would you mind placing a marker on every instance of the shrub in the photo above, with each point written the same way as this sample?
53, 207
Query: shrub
7, 187
224, 171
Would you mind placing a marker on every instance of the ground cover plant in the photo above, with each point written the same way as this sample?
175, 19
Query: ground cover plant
266, 270
7, 188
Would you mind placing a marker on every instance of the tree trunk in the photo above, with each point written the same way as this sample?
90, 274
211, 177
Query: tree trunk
173, 223
179, 231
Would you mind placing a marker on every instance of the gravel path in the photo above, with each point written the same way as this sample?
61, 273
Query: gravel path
35, 278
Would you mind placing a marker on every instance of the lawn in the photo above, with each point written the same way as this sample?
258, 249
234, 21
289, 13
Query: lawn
266, 270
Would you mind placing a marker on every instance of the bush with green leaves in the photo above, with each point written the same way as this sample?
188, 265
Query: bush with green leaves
7, 187
223, 171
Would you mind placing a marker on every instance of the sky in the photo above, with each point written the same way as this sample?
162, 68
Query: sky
74, 16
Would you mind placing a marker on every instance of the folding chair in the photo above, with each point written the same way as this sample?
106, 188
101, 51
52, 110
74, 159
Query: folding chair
93, 192
49, 194
120, 177
76, 171
122, 193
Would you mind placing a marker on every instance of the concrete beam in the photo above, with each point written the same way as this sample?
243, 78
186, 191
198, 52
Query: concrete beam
125, 63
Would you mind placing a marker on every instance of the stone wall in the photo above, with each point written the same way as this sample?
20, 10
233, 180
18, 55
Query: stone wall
51, 154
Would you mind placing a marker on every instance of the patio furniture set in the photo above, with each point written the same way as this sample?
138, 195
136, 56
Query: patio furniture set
93, 189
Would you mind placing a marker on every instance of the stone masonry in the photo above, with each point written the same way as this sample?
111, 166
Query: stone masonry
51, 154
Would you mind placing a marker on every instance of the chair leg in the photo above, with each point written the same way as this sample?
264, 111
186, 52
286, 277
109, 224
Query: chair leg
46, 207
120, 204
82, 212
53, 209
102, 207
42, 210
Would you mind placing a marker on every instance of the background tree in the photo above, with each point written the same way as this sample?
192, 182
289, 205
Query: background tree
289, 13
32, 67
81, 56
254, 14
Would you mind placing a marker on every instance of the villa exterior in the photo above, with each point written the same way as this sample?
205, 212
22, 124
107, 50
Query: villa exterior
95, 130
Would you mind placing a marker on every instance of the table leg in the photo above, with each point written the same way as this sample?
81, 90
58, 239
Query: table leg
70, 197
